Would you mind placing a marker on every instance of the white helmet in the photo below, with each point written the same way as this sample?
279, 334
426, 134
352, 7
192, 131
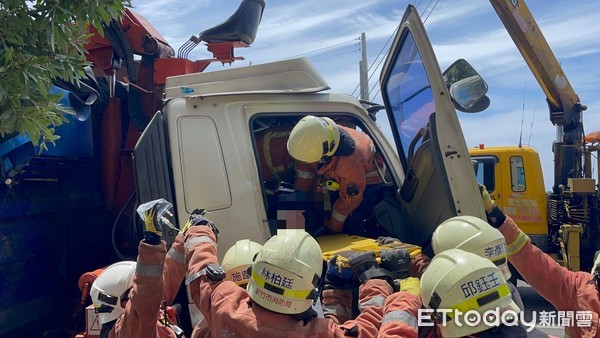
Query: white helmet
109, 288
596, 262
474, 235
460, 280
286, 272
237, 260
313, 138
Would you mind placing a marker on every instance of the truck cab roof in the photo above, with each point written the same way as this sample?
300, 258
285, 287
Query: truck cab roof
288, 76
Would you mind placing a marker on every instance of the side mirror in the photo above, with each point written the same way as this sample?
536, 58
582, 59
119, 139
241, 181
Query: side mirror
467, 88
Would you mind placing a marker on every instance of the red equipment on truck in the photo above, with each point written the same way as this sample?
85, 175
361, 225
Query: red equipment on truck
58, 205
143, 82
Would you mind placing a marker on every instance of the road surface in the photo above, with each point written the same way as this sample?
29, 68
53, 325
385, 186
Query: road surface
534, 304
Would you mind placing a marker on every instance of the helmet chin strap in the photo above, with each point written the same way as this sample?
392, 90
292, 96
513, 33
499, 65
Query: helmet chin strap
331, 143
325, 160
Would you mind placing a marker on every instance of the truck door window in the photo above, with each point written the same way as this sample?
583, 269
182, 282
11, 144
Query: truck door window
409, 94
486, 172
517, 174
485, 175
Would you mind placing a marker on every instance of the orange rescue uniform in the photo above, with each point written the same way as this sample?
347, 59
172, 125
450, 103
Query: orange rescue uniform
354, 171
229, 310
400, 315
174, 270
565, 290
142, 312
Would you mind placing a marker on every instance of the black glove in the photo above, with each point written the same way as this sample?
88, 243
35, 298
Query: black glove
386, 240
496, 217
197, 219
365, 266
337, 277
396, 261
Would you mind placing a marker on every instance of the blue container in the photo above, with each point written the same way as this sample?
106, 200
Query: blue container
76, 136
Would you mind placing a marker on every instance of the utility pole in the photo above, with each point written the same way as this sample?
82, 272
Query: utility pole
364, 76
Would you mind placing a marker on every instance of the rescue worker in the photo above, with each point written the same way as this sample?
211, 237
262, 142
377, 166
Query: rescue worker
459, 282
475, 235
284, 278
344, 160
110, 291
129, 297
236, 262
291, 209
565, 290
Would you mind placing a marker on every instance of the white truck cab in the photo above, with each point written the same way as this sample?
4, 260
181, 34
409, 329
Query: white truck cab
200, 150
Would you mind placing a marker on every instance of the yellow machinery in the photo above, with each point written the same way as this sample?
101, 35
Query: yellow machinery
505, 171
564, 221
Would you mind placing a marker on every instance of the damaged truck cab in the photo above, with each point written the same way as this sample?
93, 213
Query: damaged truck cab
201, 151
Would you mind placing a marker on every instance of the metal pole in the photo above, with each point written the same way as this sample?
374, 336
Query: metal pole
364, 77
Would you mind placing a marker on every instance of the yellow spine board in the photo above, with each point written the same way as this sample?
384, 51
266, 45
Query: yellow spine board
345, 245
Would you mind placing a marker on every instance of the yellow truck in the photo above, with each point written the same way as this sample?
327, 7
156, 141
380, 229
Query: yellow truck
564, 221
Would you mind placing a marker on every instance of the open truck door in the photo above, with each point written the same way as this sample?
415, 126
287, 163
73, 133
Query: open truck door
439, 178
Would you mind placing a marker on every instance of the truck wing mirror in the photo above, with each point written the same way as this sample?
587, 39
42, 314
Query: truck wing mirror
466, 87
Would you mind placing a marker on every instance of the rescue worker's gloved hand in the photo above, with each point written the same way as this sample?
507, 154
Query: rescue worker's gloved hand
386, 240
365, 266
337, 276
152, 226
411, 285
197, 218
495, 215
396, 261
488, 203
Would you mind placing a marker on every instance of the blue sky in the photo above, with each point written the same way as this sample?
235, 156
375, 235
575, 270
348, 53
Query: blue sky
327, 32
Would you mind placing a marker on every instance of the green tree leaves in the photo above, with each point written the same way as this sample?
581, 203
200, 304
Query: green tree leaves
41, 40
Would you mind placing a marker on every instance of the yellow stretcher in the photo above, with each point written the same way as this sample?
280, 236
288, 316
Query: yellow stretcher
345, 245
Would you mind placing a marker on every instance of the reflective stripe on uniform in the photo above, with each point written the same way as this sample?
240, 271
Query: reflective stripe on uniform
375, 301
149, 270
336, 309
307, 175
267, 152
338, 216
176, 256
197, 240
517, 244
400, 316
